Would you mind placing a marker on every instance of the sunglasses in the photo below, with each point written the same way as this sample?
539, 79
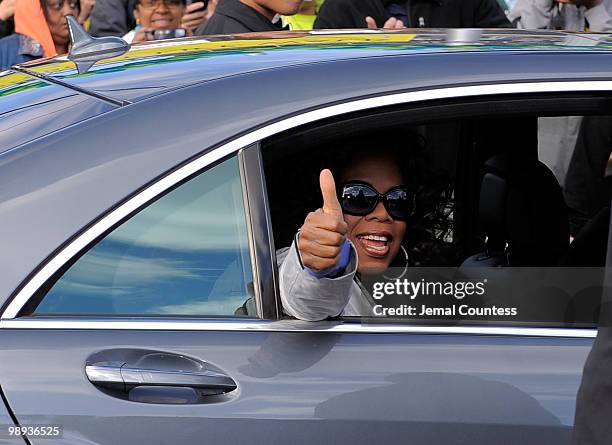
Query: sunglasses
154, 4
360, 199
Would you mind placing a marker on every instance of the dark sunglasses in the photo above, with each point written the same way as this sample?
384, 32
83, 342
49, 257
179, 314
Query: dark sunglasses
360, 198
153, 4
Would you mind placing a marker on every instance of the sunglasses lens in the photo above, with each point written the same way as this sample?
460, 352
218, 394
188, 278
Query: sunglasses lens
400, 204
358, 199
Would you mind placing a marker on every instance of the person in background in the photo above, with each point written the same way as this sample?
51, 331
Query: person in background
152, 15
412, 14
557, 136
305, 18
41, 30
587, 189
7, 11
567, 15
116, 17
112, 18
87, 7
239, 16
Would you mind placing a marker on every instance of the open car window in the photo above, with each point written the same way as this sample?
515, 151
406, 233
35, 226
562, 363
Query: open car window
509, 227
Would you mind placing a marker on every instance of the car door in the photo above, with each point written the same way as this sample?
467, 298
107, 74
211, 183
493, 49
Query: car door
140, 298
191, 347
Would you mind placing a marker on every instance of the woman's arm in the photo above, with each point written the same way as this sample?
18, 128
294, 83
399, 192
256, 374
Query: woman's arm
309, 298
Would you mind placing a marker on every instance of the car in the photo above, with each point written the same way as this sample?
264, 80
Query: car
143, 203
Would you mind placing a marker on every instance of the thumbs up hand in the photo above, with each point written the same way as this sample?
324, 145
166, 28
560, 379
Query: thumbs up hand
324, 231
331, 205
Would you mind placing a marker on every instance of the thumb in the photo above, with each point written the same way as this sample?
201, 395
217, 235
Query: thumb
371, 23
331, 206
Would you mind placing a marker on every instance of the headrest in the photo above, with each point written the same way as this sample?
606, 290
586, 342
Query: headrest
522, 209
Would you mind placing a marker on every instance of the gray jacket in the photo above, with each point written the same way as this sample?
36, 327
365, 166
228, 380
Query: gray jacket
112, 17
313, 299
540, 14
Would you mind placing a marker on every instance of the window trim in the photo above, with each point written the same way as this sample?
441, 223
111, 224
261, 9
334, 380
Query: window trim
329, 327
116, 216
261, 241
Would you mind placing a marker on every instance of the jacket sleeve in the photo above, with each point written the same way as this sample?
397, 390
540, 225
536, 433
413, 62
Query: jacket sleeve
220, 24
532, 14
600, 17
489, 14
111, 18
343, 14
308, 298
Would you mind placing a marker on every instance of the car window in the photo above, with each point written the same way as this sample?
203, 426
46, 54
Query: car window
510, 221
185, 254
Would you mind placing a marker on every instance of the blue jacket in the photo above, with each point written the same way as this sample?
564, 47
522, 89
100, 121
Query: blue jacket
18, 48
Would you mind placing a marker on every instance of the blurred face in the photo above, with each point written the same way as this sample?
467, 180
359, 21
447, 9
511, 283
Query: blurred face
159, 14
55, 13
308, 8
271, 7
376, 236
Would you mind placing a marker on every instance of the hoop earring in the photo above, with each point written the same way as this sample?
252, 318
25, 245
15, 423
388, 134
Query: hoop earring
405, 267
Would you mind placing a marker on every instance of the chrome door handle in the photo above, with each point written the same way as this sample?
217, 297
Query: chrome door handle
118, 375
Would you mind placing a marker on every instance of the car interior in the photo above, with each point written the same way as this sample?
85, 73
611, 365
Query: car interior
486, 201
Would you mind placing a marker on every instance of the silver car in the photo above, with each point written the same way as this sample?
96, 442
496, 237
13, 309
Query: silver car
143, 202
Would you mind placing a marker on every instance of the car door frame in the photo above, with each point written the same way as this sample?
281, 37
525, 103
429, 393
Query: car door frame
247, 148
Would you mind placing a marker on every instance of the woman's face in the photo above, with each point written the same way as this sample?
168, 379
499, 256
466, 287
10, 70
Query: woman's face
159, 14
55, 14
375, 255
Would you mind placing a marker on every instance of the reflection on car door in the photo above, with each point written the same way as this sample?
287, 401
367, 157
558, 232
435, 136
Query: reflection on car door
302, 387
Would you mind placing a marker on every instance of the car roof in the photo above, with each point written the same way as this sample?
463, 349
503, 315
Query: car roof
157, 67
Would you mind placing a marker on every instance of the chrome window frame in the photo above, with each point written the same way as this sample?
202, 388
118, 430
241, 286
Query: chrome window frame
237, 325
9, 320
263, 252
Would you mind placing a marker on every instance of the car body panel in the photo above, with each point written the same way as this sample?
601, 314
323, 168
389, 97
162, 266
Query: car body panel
5, 421
31, 108
309, 387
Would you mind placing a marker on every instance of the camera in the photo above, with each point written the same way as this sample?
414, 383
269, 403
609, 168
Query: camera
163, 34
189, 2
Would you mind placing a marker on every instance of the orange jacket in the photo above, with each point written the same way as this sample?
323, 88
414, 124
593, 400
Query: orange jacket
30, 21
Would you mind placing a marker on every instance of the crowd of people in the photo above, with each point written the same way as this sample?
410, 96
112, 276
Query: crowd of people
31, 29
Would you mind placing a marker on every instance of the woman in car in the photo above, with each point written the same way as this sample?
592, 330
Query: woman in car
357, 232
171, 15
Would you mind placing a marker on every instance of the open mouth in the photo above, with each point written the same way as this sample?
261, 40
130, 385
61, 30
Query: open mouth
161, 23
375, 244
